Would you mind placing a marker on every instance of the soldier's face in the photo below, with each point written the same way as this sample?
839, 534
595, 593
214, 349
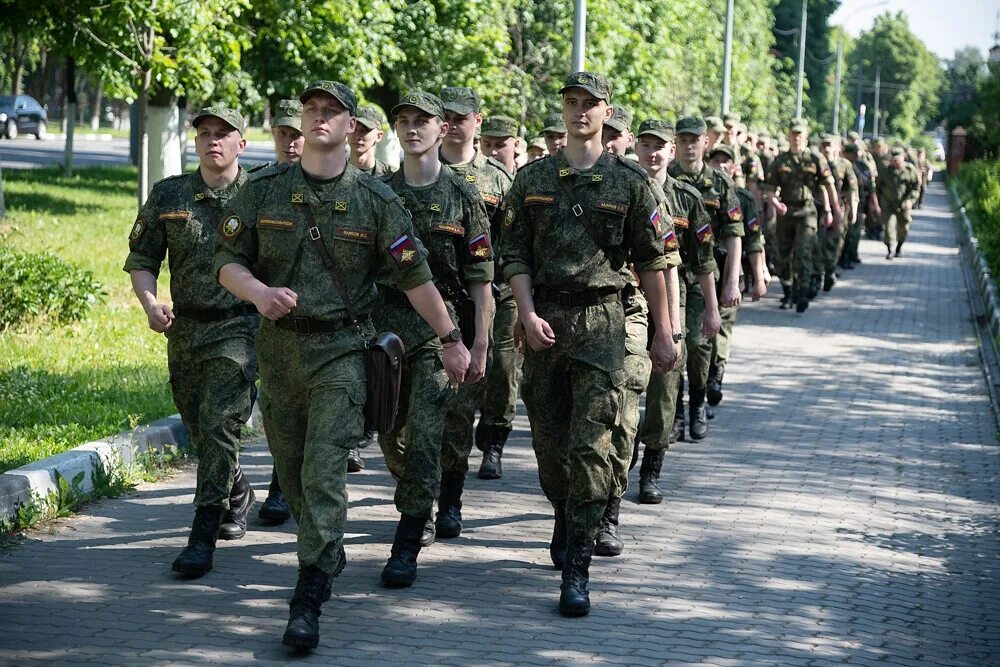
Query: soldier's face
535, 153
691, 148
584, 114
217, 144
897, 162
713, 137
288, 143
325, 121
554, 141
722, 162
654, 153
797, 141
615, 142
732, 136
363, 140
419, 131
500, 148
461, 127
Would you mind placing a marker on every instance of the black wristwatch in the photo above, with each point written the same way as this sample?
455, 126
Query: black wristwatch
678, 337
453, 336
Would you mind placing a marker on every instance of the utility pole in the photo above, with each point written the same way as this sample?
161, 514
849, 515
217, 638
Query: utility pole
802, 60
859, 106
727, 61
836, 96
878, 86
579, 35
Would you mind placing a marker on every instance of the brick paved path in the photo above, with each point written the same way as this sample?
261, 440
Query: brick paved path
843, 510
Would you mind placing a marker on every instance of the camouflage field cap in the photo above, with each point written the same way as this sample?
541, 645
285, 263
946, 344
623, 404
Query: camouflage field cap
725, 149
851, 149
897, 151
231, 117
554, 123
460, 100
798, 125
429, 103
730, 120
853, 136
657, 128
342, 93
539, 144
690, 125
500, 126
831, 139
288, 113
371, 117
621, 119
714, 123
595, 84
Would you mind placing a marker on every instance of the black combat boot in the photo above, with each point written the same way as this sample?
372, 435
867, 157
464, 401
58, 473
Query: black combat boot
354, 461
899, 249
801, 299
888, 252
557, 546
312, 589
649, 477
401, 570
608, 541
786, 299
829, 280
491, 467
449, 516
574, 599
696, 414
275, 510
713, 392
484, 435
709, 412
234, 525
429, 534
196, 559
815, 281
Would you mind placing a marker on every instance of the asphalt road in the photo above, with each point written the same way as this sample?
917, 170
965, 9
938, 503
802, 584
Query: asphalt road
30, 153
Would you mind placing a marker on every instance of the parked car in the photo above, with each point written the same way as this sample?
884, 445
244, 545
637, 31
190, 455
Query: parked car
22, 113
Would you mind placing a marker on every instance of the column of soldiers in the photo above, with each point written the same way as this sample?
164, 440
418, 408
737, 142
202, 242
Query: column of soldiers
597, 262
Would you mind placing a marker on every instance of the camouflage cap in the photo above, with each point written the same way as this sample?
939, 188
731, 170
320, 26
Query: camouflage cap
554, 123
460, 100
714, 123
798, 125
897, 151
831, 139
342, 93
227, 115
538, 143
500, 126
690, 125
731, 120
288, 113
853, 136
725, 149
595, 84
852, 149
427, 102
658, 128
763, 134
371, 117
621, 119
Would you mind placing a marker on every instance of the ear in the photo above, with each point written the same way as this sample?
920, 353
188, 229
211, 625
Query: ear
352, 124
243, 146
444, 130
608, 112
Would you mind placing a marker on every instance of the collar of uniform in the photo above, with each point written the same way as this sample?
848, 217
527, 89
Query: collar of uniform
201, 191
477, 161
681, 174
566, 170
436, 189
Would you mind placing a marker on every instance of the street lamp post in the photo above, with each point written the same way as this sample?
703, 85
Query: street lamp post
840, 60
579, 35
727, 64
802, 60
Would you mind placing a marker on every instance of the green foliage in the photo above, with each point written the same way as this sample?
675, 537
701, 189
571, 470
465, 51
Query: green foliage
819, 62
40, 285
978, 186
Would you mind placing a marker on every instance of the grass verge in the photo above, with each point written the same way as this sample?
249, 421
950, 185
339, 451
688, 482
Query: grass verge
61, 386
978, 186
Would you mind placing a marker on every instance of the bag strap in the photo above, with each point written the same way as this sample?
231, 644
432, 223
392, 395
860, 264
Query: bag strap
331, 267
578, 210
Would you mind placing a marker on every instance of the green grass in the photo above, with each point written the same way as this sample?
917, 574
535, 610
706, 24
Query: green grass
978, 185
61, 386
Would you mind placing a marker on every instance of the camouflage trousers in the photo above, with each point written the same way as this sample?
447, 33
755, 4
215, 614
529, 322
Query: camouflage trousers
699, 348
662, 390
770, 231
722, 342
829, 244
896, 228
637, 367
500, 396
456, 433
796, 244
574, 394
313, 392
852, 239
213, 370
412, 449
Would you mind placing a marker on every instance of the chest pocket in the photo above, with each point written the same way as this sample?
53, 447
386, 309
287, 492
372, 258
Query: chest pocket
608, 219
276, 237
183, 231
445, 238
540, 208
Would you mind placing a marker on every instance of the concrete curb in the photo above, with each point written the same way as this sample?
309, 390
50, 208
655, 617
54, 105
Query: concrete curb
985, 300
18, 486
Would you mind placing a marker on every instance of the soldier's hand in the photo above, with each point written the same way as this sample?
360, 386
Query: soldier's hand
160, 316
519, 336
828, 219
907, 205
538, 333
456, 360
760, 285
663, 353
779, 207
477, 363
711, 322
276, 302
730, 296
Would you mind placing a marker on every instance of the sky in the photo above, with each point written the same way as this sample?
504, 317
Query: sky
944, 25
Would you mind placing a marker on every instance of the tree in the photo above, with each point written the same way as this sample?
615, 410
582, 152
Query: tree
820, 60
964, 77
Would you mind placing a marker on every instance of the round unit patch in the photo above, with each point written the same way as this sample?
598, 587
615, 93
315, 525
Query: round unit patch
136, 229
231, 226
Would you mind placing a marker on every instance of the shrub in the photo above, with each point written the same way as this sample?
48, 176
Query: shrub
979, 189
40, 285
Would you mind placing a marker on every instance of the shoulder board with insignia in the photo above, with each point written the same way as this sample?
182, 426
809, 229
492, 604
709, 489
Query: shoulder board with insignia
534, 164
633, 166
465, 187
171, 184
258, 167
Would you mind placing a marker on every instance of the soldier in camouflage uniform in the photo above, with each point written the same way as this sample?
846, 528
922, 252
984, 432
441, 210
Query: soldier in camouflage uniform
310, 352
554, 133
867, 201
898, 189
715, 130
491, 178
450, 217
659, 427
365, 139
800, 176
499, 139
209, 332
572, 221
719, 196
846, 188
537, 149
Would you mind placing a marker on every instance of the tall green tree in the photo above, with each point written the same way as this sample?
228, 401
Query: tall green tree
819, 61
964, 77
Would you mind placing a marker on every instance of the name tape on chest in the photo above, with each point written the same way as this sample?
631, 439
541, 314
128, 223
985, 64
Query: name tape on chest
712, 202
492, 200
275, 223
681, 221
611, 207
175, 215
448, 228
354, 235
540, 199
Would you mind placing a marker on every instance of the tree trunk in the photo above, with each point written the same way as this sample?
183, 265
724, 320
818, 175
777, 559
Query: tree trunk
20, 53
3, 206
95, 109
42, 92
70, 115
162, 127
182, 134
142, 152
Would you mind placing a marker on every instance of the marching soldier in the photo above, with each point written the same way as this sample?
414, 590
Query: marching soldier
554, 133
363, 142
831, 241
898, 189
500, 141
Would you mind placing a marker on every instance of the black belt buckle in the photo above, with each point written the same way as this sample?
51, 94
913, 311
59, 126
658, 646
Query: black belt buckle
565, 299
302, 326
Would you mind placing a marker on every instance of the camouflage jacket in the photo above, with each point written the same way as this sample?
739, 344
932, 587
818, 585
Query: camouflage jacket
361, 220
718, 193
844, 178
799, 176
688, 214
754, 241
897, 186
179, 222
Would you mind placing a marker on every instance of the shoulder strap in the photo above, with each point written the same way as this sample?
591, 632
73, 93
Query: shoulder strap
329, 265
578, 210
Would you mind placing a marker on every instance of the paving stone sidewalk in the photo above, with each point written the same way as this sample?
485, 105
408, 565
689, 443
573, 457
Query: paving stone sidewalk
842, 511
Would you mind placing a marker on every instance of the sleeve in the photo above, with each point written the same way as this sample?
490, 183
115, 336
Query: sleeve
730, 213
403, 254
754, 241
771, 183
701, 255
644, 231
147, 241
517, 237
477, 263
851, 181
823, 172
671, 240
236, 238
